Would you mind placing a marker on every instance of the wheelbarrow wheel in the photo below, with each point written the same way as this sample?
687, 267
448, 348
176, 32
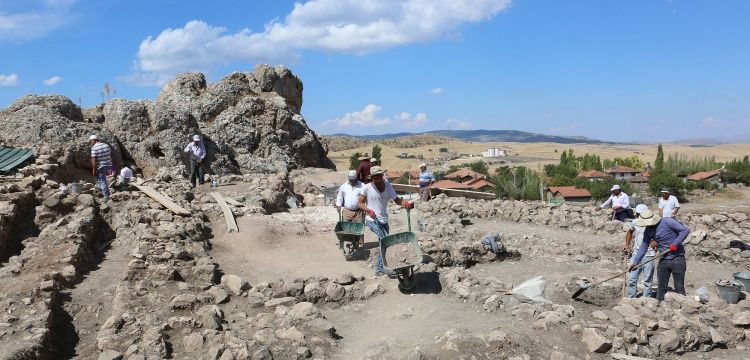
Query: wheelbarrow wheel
405, 278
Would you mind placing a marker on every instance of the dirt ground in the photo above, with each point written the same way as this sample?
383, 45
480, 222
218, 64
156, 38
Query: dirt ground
728, 200
301, 243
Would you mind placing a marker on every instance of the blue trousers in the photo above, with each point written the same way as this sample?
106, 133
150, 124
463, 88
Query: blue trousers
648, 277
381, 232
101, 177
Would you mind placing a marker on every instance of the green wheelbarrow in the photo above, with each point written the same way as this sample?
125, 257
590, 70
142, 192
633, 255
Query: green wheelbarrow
401, 252
348, 233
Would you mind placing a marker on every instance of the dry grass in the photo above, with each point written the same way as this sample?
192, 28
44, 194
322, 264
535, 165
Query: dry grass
533, 155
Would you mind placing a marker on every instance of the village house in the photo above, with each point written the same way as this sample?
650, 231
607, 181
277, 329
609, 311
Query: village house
450, 184
464, 174
713, 176
592, 175
480, 185
494, 152
622, 172
563, 194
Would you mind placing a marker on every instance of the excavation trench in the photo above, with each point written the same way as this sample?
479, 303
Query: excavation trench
17, 212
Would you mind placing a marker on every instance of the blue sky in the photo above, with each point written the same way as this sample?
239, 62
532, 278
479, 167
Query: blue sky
615, 70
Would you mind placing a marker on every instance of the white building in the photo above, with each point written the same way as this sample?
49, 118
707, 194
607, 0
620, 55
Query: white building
494, 152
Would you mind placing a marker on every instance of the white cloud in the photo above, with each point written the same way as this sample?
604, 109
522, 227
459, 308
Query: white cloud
369, 116
34, 18
437, 91
455, 124
145, 79
8, 80
349, 26
52, 81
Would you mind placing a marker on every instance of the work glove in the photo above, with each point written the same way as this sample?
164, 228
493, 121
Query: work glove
408, 205
371, 213
672, 247
632, 266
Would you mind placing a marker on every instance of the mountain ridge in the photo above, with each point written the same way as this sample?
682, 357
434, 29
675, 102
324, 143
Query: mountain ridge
486, 136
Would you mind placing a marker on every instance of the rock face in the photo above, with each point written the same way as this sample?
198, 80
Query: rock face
250, 122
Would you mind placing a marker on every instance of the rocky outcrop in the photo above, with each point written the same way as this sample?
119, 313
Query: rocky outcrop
250, 122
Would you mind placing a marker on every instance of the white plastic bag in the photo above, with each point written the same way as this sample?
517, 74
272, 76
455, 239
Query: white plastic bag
701, 295
531, 291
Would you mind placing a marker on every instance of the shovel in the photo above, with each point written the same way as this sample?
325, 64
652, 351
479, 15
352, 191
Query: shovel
586, 285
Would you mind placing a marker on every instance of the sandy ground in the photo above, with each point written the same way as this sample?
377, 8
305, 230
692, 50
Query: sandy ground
729, 200
535, 155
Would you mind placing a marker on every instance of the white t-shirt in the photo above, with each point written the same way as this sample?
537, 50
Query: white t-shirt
638, 240
126, 172
668, 205
348, 196
378, 201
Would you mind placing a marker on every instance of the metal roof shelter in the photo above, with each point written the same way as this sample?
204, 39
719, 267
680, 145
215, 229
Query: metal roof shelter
12, 157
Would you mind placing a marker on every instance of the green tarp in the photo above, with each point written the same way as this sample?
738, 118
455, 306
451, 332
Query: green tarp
12, 157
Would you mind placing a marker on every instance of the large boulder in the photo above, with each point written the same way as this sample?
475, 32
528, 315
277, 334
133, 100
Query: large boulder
250, 123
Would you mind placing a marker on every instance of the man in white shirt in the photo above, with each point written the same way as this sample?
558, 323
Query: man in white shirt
197, 152
347, 200
668, 204
620, 203
126, 174
633, 240
374, 202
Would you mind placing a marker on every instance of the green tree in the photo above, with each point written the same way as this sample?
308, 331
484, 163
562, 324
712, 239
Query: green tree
377, 152
354, 160
600, 190
403, 179
518, 183
660, 180
659, 163
480, 167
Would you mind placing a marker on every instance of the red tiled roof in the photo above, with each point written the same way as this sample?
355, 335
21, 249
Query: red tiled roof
638, 179
569, 191
592, 174
450, 184
478, 183
464, 172
646, 173
395, 174
704, 175
621, 169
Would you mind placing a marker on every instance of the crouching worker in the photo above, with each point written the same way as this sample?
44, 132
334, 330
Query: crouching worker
669, 235
123, 180
374, 202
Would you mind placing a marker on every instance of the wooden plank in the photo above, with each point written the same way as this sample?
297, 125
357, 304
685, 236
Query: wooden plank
228, 216
231, 201
449, 192
161, 199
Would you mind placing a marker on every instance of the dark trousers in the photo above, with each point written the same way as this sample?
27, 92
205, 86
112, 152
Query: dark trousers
196, 171
621, 214
673, 267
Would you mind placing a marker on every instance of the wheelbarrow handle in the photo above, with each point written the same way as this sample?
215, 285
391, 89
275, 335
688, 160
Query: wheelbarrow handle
408, 218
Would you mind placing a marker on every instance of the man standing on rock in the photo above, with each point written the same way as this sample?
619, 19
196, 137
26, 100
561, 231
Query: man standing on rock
374, 202
633, 240
426, 179
197, 152
668, 204
620, 203
669, 235
363, 170
101, 163
347, 200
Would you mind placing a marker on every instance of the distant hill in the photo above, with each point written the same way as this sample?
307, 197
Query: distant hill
735, 139
488, 136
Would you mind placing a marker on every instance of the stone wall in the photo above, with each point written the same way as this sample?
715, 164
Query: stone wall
709, 238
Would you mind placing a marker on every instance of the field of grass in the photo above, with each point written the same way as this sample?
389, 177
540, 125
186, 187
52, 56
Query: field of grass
532, 155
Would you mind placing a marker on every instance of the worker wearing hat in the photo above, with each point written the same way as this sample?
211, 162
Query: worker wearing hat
347, 200
668, 204
363, 170
633, 240
620, 203
374, 202
196, 150
426, 179
669, 234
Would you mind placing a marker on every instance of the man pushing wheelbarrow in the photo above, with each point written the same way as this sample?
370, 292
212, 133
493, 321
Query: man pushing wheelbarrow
347, 205
374, 202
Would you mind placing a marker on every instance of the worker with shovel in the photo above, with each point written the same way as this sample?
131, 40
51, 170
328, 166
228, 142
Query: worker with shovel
633, 240
669, 235
197, 153
347, 200
374, 202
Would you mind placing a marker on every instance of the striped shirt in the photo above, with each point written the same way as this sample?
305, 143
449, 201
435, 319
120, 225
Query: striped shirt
102, 153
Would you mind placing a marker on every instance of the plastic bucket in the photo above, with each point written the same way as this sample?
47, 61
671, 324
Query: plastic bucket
729, 293
76, 188
743, 277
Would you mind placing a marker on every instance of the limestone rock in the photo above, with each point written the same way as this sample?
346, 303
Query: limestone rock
595, 341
